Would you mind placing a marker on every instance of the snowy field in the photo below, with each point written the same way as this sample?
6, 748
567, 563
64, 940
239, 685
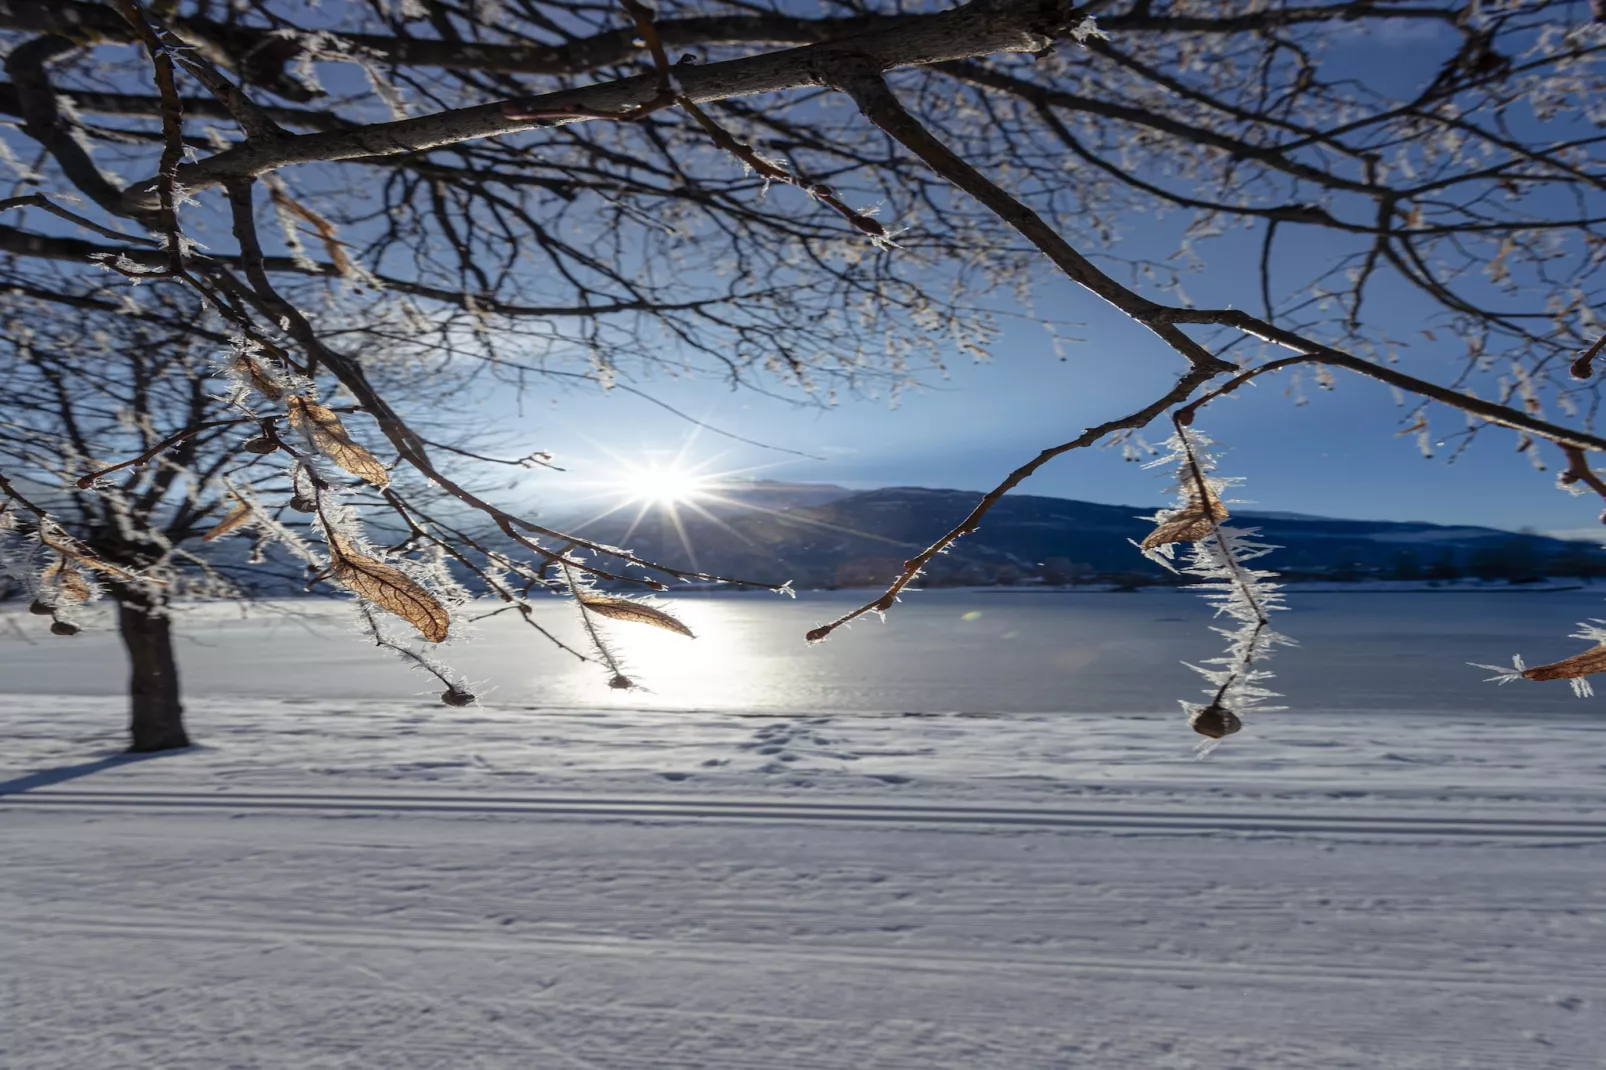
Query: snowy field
975, 837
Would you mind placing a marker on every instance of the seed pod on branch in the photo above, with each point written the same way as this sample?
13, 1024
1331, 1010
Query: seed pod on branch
1215, 721
1220, 557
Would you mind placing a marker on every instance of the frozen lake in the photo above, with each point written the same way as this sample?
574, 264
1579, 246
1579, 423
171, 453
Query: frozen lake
1000, 650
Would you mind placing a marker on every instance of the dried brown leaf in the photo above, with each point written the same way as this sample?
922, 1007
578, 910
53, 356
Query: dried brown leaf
635, 612
1586, 664
236, 517
326, 230
95, 564
85, 561
330, 436
1192, 522
68, 583
257, 377
390, 589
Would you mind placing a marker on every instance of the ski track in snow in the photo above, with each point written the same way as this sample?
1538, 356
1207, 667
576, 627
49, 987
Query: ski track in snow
354, 884
404, 940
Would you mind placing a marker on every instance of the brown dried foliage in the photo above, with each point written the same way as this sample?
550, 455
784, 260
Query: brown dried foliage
236, 518
1191, 523
67, 582
332, 244
388, 588
96, 564
259, 379
635, 612
1586, 664
323, 427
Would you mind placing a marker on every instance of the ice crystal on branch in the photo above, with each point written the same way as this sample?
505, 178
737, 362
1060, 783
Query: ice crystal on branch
1219, 557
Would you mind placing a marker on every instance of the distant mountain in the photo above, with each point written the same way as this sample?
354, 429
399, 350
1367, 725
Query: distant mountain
743, 495
852, 538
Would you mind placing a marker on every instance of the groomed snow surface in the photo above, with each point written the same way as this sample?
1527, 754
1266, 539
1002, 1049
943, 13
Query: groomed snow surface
976, 837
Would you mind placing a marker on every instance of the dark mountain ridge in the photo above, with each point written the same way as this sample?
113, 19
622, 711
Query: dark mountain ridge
864, 537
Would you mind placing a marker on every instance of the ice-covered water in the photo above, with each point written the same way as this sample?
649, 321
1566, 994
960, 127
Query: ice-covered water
986, 651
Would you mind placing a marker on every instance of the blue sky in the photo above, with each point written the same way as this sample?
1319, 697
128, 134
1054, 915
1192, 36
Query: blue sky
1338, 455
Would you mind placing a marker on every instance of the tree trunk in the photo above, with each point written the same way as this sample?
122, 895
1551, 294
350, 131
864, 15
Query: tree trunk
156, 719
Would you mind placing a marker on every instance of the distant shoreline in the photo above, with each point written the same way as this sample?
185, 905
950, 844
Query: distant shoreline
1291, 588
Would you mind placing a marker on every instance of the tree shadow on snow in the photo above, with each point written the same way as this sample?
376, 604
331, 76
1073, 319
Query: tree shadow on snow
44, 778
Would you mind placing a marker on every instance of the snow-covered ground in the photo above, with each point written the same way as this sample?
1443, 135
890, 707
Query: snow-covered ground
929, 844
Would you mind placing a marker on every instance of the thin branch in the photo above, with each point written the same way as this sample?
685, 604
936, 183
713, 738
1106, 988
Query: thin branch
85, 482
39, 200
1579, 471
912, 567
882, 107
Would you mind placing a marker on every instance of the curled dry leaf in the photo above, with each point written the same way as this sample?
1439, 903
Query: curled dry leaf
259, 379
67, 582
1586, 664
1191, 523
94, 563
388, 588
323, 427
326, 230
237, 516
635, 612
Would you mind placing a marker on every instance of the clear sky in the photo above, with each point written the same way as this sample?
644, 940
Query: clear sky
1339, 455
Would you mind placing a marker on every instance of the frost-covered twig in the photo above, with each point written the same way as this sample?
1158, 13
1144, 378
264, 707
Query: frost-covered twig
579, 584
1219, 556
458, 691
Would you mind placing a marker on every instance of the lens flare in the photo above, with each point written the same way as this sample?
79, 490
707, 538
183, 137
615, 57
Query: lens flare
663, 485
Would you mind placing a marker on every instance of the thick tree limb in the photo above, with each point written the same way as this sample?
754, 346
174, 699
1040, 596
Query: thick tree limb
981, 27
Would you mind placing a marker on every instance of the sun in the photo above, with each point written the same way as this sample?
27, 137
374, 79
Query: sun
663, 485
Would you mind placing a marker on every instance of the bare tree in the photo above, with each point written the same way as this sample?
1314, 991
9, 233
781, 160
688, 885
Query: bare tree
773, 189
87, 383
